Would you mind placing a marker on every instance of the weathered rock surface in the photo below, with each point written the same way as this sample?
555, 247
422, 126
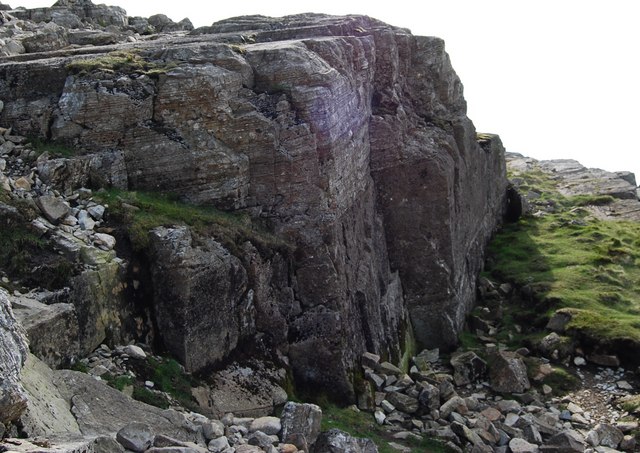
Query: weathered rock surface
13, 355
52, 329
102, 410
301, 421
48, 414
576, 179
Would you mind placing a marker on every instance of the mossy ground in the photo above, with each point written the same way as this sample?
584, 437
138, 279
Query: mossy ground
362, 424
570, 259
171, 382
139, 212
120, 61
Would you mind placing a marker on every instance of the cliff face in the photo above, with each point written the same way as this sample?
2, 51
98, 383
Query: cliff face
347, 136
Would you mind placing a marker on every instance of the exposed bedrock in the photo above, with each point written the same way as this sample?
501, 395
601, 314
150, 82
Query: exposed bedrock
347, 135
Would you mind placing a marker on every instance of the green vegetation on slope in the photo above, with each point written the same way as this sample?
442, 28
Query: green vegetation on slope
26, 256
139, 212
362, 424
568, 258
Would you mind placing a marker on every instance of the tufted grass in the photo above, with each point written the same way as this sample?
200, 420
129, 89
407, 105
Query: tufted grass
139, 212
362, 424
572, 260
119, 61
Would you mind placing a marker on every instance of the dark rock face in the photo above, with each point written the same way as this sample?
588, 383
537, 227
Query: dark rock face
347, 136
202, 305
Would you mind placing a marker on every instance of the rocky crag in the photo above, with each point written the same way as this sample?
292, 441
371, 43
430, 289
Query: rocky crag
345, 137
277, 203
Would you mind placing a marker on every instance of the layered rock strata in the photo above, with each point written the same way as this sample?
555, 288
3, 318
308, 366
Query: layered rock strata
347, 136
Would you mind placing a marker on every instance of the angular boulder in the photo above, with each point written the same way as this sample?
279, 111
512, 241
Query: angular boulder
52, 330
201, 301
53, 208
468, 367
300, 424
508, 373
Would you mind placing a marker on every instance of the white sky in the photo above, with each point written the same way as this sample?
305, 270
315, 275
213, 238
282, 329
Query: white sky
555, 78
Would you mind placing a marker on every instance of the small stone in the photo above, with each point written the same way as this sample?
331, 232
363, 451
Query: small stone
370, 360
604, 360
260, 439
104, 241
508, 373
22, 183
268, 425
213, 429
609, 435
287, 448
532, 434
375, 379
592, 438
96, 211
70, 221
579, 361
218, 445
546, 390
403, 402
559, 321
627, 427
455, 404
628, 443
387, 407
624, 385
574, 408
389, 369
522, 446
508, 406
53, 208
4, 183
135, 437
491, 414
468, 367
135, 352
85, 221
565, 441
149, 384
511, 419
579, 419
379, 416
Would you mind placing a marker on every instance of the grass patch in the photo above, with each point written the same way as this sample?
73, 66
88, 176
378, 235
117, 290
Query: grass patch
362, 424
568, 258
169, 376
150, 397
120, 61
118, 382
139, 212
54, 149
561, 381
630, 404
